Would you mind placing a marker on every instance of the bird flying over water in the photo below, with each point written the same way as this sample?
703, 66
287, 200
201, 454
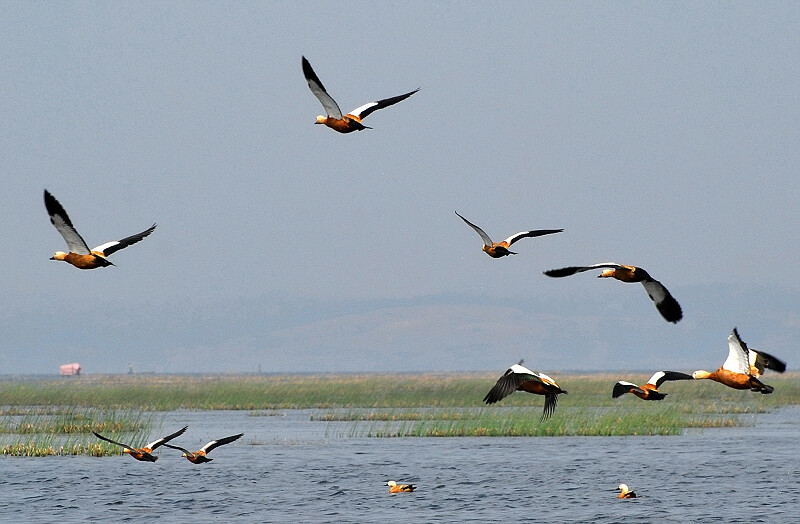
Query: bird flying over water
735, 372
664, 301
648, 391
500, 249
79, 254
199, 456
144, 453
520, 378
344, 123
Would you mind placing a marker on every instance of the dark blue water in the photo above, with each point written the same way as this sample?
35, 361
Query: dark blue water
286, 469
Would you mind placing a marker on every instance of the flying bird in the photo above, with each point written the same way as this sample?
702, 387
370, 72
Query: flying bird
144, 453
79, 254
664, 301
199, 456
735, 371
520, 378
394, 487
500, 249
335, 119
625, 492
648, 391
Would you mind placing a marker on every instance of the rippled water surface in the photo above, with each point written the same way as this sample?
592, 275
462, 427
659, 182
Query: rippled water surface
289, 468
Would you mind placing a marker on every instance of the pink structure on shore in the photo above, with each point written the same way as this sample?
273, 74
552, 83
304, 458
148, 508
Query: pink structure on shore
71, 369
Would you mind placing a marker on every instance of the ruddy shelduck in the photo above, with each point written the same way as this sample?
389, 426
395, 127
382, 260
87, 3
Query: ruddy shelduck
199, 457
394, 487
145, 453
500, 249
520, 378
625, 492
79, 254
650, 390
665, 303
344, 123
735, 371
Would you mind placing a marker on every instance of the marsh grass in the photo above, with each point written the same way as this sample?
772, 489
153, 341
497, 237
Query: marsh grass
385, 405
43, 431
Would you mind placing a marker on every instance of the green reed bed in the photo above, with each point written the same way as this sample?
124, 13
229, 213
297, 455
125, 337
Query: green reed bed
37, 431
414, 404
495, 421
249, 392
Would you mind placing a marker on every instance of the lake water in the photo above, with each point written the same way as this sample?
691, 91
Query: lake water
288, 468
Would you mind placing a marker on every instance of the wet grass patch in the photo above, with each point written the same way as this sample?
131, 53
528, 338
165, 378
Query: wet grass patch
45, 431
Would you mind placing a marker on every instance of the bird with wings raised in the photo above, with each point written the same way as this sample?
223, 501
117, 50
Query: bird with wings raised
650, 390
735, 371
344, 123
500, 249
199, 457
143, 453
79, 254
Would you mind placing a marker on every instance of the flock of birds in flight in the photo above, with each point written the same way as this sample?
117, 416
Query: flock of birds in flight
741, 370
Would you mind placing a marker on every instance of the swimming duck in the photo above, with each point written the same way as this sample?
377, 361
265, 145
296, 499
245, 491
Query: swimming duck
199, 456
500, 249
143, 453
79, 254
520, 378
335, 119
735, 371
648, 391
394, 487
665, 303
625, 493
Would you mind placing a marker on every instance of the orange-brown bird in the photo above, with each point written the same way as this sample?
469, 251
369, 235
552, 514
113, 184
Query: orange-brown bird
394, 487
664, 301
335, 119
144, 453
736, 372
625, 493
648, 391
79, 254
199, 456
520, 378
500, 249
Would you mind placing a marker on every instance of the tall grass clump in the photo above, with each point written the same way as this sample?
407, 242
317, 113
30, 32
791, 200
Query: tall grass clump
39, 432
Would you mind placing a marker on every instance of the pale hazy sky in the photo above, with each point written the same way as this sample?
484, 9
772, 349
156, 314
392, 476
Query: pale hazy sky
663, 135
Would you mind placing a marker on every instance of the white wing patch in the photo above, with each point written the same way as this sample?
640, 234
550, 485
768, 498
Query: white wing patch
522, 370
357, 111
102, 248
513, 238
737, 360
655, 378
205, 448
546, 379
